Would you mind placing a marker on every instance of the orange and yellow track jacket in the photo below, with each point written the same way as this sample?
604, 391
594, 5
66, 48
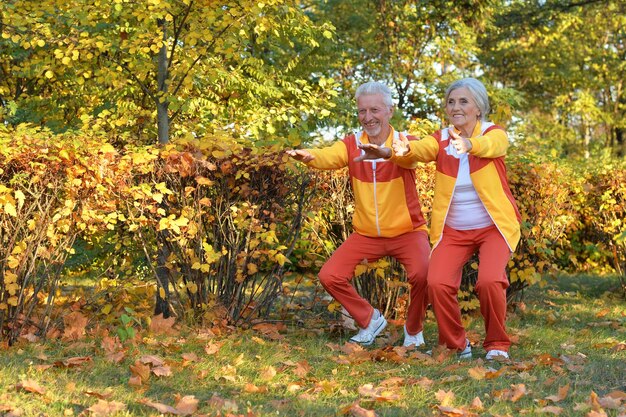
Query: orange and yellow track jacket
487, 171
386, 200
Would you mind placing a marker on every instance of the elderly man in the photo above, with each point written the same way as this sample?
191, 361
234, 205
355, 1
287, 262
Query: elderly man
387, 220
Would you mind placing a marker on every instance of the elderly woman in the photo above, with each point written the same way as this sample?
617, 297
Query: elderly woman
473, 211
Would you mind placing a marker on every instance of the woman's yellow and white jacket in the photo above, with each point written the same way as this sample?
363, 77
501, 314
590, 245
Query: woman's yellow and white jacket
487, 171
386, 200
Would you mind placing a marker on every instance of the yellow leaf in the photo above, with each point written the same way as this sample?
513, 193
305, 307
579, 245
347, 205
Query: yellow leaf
20, 197
12, 262
162, 293
63, 154
281, 259
12, 301
360, 269
107, 148
49, 74
9, 277
10, 209
252, 269
204, 181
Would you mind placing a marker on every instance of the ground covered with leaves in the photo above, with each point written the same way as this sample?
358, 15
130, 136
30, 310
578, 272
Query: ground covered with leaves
568, 359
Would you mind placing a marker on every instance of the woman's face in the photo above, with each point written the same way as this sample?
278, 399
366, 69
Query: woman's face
462, 110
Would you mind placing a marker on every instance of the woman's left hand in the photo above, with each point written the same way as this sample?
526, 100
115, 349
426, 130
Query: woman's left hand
461, 144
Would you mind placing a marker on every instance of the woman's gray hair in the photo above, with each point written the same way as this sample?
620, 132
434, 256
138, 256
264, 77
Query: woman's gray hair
478, 92
375, 87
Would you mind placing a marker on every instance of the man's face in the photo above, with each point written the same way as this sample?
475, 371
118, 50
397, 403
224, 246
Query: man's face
373, 113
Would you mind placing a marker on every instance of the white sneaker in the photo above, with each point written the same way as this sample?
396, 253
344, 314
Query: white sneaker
416, 339
496, 354
366, 336
467, 352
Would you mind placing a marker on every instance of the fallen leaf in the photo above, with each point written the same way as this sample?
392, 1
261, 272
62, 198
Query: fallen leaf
609, 402
379, 393
477, 372
551, 409
105, 408
159, 325
187, 405
101, 395
161, 408
152, 360
454, 412
162, 370
135, 381
190, 357
212, 348
30, 385
302, 369
270, 330
140, 370
218, 403
516, 392
73, 362
445, 398
476, 404
294, 387
74, 324
268, 373
561, 394
251, 388
357, 411
395, 381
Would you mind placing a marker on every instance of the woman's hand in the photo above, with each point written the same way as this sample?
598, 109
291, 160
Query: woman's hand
400, 145
461, 144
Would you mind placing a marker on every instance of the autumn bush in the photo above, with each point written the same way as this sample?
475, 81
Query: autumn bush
53, 189
217, 222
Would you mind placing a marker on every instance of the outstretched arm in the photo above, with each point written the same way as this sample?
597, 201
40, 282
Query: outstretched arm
300, 155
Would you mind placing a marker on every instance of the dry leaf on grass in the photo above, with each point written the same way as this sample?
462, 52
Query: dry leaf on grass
30, 385
159, 325
445, 398
562, 394
551, 409
105, 408
75, 324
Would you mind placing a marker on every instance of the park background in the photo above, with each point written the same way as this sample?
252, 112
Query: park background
158, 250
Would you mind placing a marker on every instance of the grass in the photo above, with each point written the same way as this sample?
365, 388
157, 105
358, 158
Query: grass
569, 333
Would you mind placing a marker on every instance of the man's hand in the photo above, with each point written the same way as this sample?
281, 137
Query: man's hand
300, 155
461, 144
400, 145
373, 151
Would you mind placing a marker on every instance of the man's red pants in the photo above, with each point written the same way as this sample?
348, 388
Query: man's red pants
410, 249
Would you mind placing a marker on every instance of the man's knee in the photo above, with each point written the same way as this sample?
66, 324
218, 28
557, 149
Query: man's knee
328, 276
437, 289
488, 286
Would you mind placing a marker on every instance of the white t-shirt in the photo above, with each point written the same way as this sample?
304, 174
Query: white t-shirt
466, 211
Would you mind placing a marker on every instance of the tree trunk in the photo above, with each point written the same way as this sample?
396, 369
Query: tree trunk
162, 305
